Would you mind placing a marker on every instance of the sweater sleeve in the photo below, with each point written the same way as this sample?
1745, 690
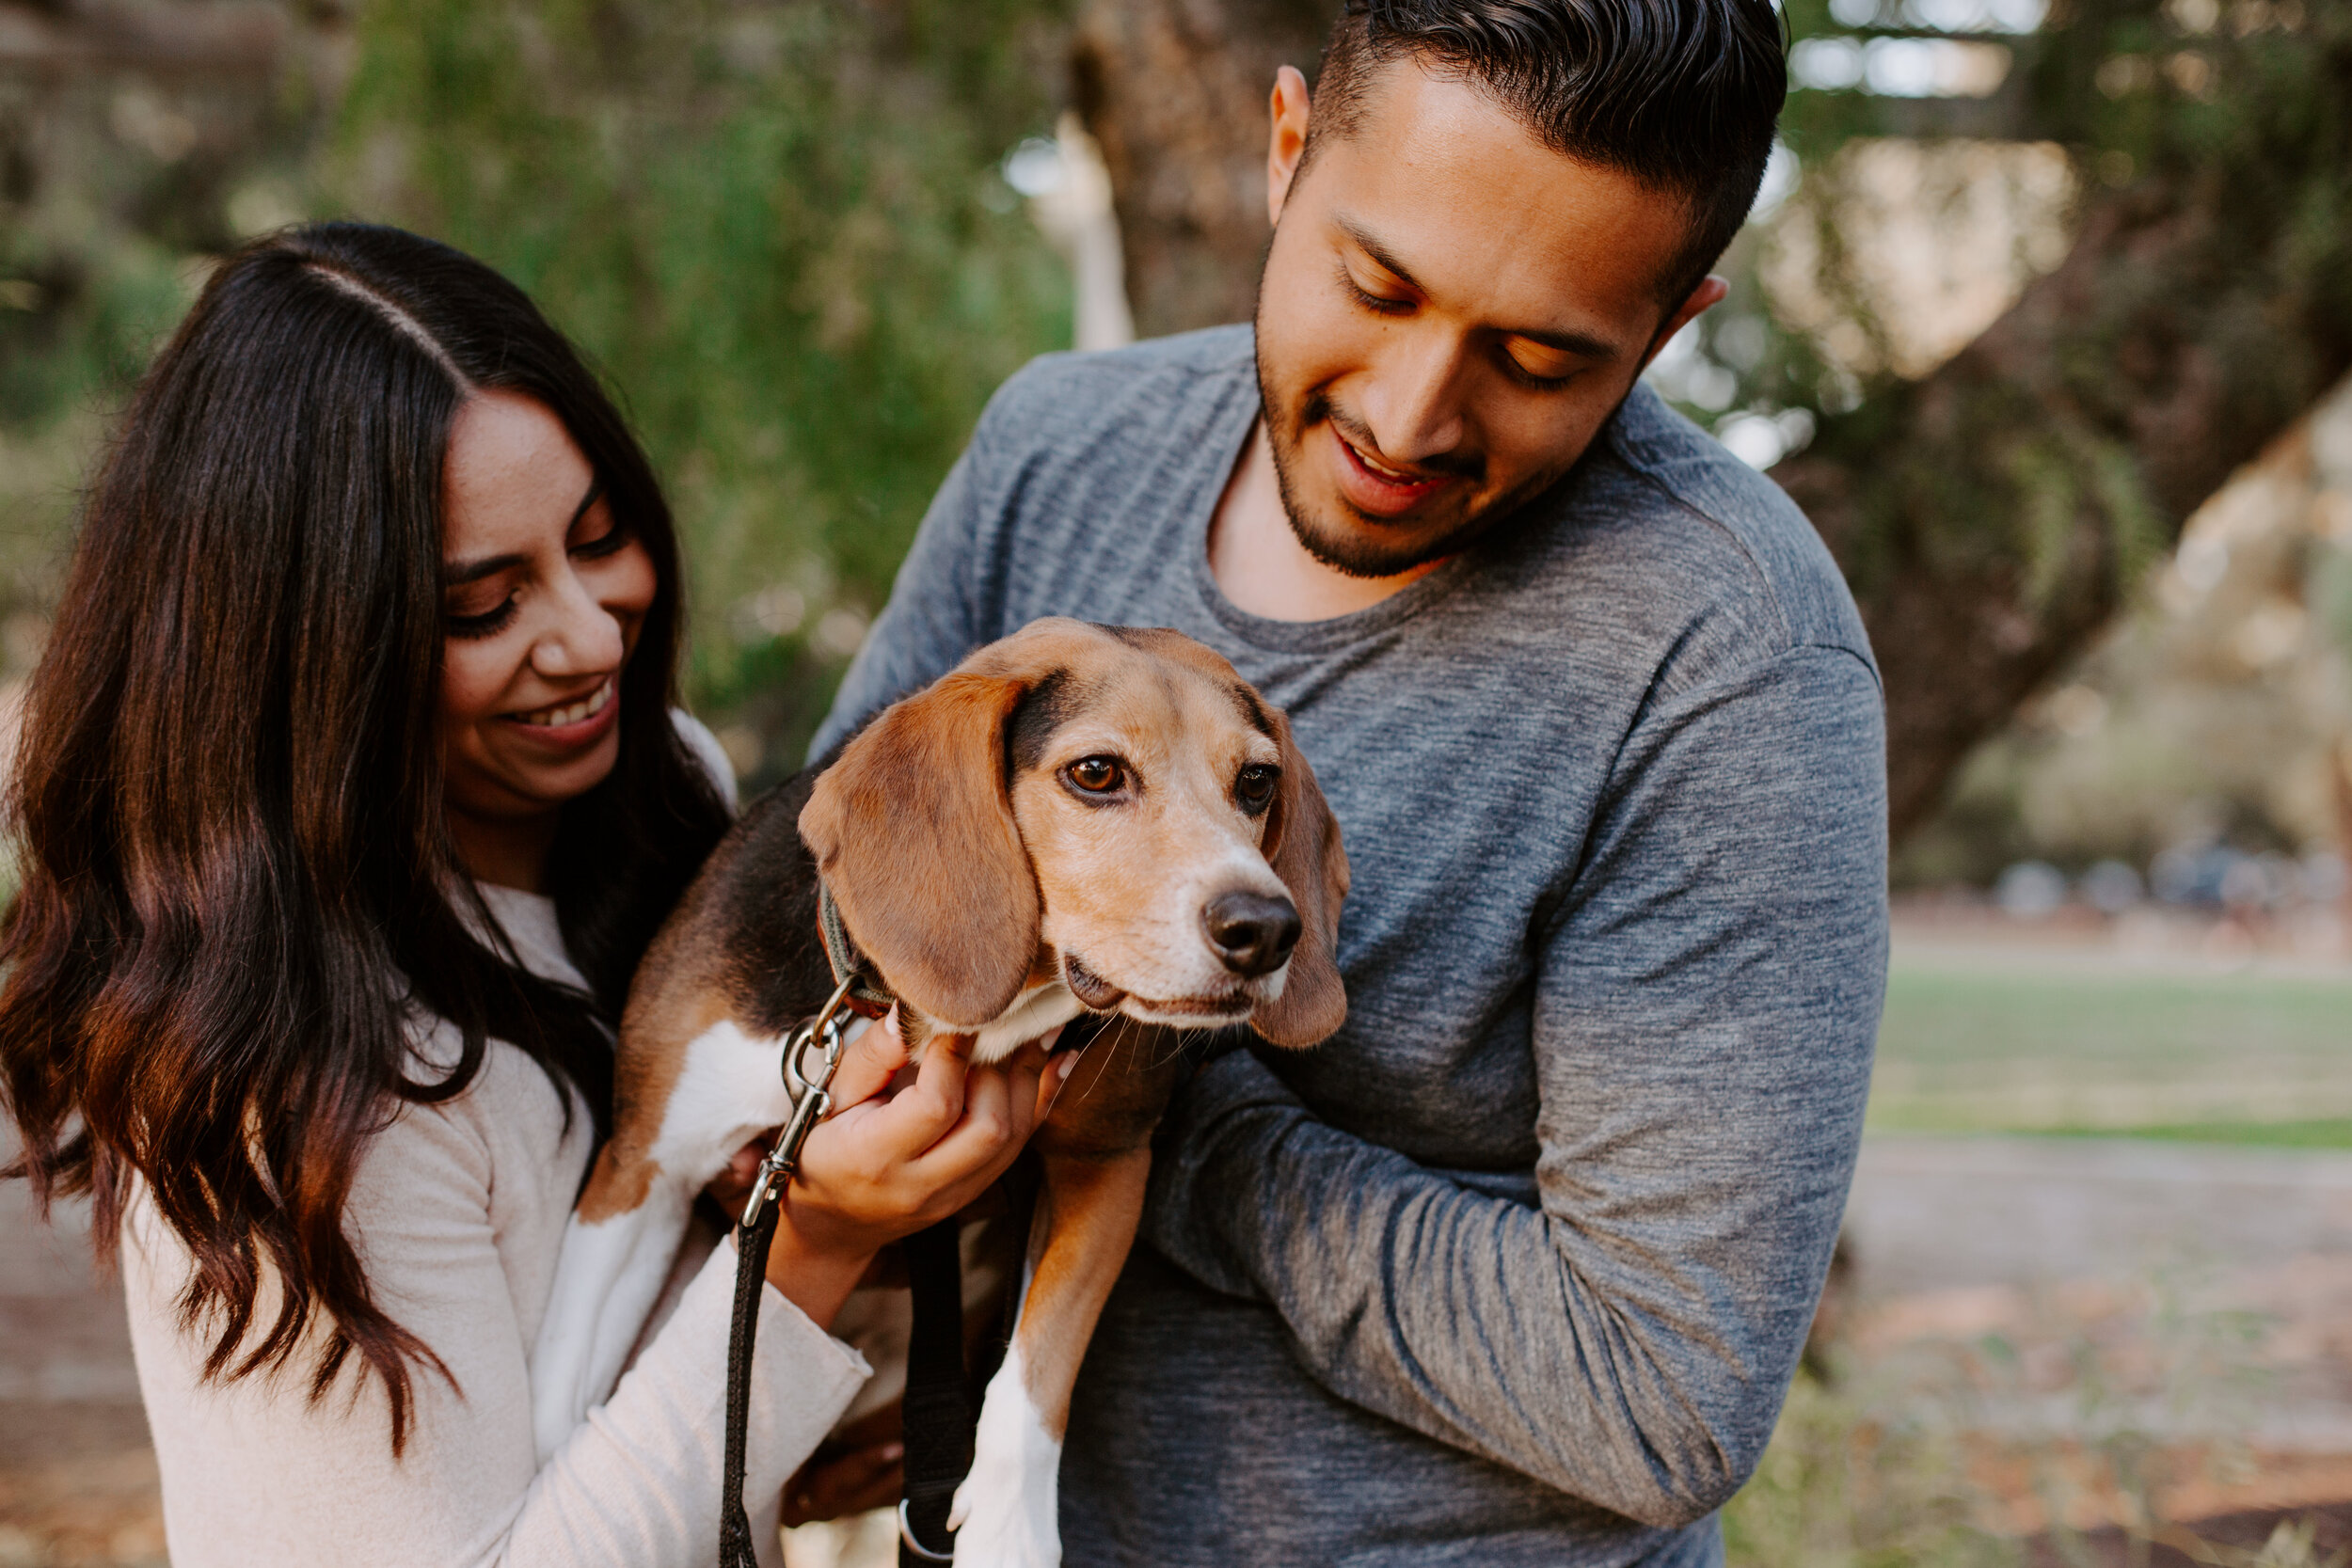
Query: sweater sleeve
1705, 1005
257, 1473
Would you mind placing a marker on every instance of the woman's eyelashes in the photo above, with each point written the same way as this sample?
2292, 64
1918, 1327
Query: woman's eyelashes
468, 624
610, 534
486, 623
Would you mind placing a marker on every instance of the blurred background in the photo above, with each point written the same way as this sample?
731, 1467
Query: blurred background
2044, 316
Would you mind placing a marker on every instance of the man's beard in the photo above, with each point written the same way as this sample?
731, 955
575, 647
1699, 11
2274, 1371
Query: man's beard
1355, 548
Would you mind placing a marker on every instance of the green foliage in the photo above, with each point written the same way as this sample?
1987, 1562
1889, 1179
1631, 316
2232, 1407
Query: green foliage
106, 185
76, 319
777, 229
76, 325
2191, 85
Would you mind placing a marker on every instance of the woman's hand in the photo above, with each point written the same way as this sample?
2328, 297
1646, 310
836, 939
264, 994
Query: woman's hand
890, 1162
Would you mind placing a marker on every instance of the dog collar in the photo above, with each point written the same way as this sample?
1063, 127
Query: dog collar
868, 997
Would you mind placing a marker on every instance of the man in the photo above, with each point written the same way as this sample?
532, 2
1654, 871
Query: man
1516, 1268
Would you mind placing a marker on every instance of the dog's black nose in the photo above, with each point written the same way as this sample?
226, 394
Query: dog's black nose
1252, 934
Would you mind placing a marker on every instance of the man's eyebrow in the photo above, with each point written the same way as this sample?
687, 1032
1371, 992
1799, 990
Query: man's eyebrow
1581, 343
459, 572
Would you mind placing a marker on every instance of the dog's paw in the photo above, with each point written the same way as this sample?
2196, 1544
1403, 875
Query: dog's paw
1006, 1511
997, 1530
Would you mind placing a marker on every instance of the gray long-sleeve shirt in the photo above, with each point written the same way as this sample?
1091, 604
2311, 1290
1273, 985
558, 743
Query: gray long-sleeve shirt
1516, 1268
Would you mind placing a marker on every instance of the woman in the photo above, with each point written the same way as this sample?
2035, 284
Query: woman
348, 798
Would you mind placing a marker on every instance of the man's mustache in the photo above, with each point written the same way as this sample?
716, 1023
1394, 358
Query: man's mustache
1319, 407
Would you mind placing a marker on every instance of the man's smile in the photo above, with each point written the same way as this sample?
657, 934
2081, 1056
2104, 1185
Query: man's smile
1378, 488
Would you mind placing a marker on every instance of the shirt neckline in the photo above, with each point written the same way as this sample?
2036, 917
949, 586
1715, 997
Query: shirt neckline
1226, 434
534, 930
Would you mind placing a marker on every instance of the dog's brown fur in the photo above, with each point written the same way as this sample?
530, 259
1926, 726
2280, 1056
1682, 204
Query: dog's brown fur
944, 855
979, 880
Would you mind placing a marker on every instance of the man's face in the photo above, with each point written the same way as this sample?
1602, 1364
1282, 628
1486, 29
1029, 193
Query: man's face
1449, 312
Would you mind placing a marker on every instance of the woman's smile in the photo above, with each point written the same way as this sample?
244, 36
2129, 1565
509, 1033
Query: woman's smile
575, 724
546, 588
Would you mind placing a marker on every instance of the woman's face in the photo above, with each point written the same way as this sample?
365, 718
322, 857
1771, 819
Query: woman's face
542, 599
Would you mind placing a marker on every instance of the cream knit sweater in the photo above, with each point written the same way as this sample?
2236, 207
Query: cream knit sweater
458, 1210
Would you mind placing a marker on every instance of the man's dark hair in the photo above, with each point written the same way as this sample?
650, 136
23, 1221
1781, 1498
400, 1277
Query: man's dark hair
1680, 94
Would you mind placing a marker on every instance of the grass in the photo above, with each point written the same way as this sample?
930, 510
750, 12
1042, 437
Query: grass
2025, 1044
2014, 1447
2328, 1132
1843, 1486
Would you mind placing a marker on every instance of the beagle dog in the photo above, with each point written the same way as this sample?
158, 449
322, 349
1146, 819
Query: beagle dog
1077, 818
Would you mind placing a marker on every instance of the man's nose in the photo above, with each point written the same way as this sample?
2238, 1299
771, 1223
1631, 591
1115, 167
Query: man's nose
1413, 404
1251, 933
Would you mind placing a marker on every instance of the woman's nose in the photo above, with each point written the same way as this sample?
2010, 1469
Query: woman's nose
583, 638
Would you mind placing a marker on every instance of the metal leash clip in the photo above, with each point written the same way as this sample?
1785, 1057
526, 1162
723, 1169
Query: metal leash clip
907, 1539
810, 1096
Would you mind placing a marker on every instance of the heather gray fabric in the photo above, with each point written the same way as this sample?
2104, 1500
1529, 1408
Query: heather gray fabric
1516, 1268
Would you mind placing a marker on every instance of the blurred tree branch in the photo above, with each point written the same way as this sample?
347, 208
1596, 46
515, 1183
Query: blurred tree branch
1993, 516
78, 35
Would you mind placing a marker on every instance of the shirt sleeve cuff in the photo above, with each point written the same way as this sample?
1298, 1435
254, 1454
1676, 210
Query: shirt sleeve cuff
803, 1378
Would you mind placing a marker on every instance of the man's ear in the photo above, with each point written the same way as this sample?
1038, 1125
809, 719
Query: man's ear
1704, 298
914, 834
1302, 843
1289, 139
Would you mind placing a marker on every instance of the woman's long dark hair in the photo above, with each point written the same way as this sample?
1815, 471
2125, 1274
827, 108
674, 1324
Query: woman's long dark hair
237, 878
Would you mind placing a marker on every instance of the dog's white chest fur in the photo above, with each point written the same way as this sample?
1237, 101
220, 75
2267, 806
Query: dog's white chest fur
610, 1271
1033, 1012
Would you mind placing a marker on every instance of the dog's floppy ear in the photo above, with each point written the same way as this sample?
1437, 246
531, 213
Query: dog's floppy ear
1302, 843
914, 833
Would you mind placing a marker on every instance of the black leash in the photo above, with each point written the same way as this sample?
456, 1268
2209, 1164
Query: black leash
937, 1410
752, 1234
938, 1417
751, 1270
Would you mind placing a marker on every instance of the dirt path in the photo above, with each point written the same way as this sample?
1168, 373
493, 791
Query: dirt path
77, 1478
2070, 1292
2054, 1245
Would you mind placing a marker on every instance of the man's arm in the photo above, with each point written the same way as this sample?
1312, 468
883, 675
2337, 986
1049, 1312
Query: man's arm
933, 617
1705, 1010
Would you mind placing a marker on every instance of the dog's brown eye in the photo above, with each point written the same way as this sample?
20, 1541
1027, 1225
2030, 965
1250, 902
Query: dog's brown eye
1254, 789
1097, 775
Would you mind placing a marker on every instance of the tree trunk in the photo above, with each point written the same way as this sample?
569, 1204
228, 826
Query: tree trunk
1175, 91
1992, 516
